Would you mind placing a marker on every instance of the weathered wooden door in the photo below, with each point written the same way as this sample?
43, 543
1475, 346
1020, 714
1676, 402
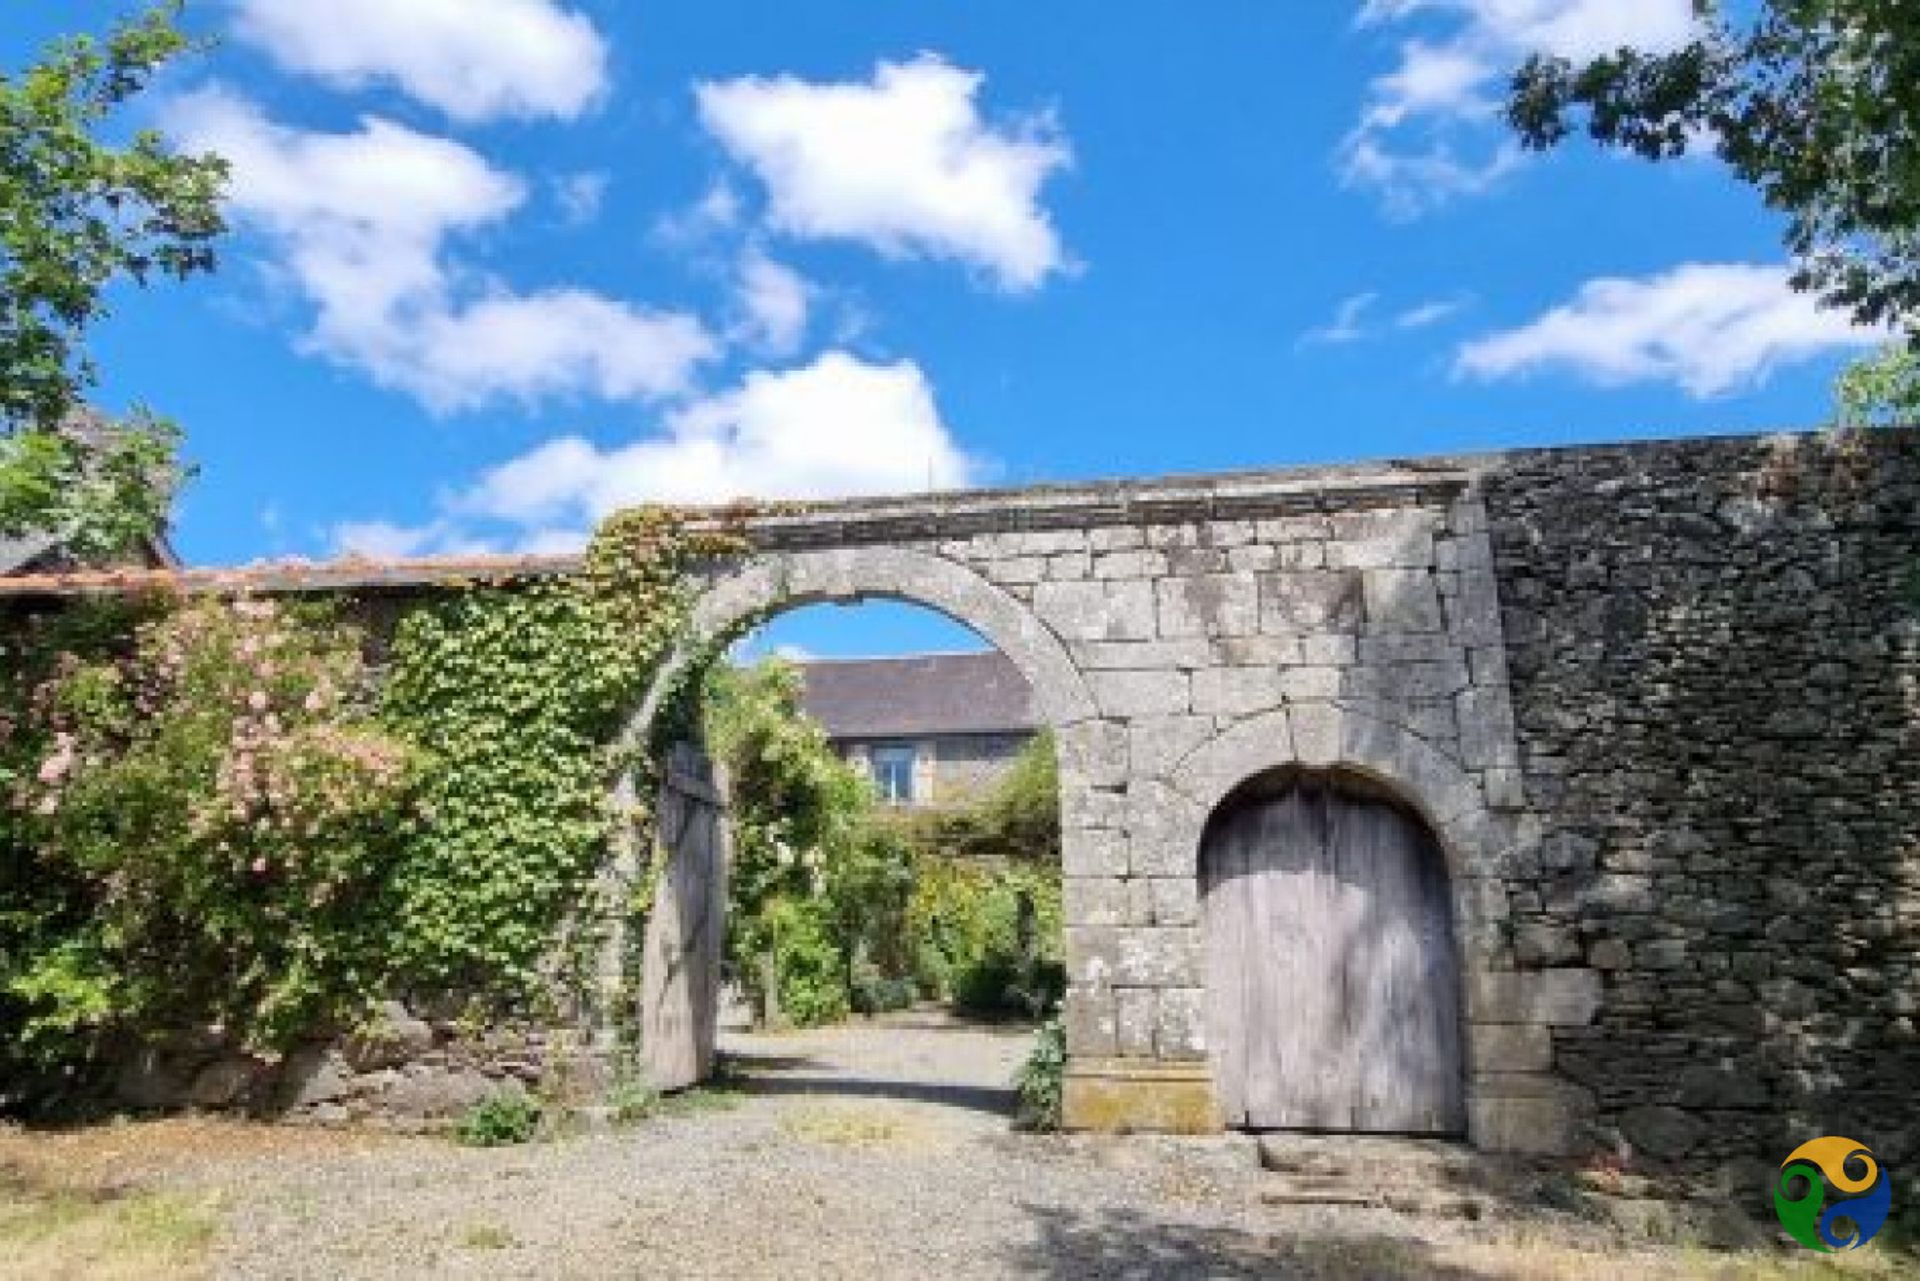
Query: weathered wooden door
1333, 991
680, 966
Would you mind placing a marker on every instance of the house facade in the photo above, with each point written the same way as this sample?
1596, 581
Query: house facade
932, 730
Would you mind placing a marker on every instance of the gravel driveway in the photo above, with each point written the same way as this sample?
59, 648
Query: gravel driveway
864, 1151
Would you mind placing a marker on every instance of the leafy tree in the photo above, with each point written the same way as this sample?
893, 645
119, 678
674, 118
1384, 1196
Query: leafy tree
80, 214
1815, 103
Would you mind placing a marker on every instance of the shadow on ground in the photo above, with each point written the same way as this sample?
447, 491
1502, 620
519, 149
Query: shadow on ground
972, 1098
1076, 1246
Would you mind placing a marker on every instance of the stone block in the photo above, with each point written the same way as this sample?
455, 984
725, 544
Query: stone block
1310, 602
1139, 1097
1092, 807
1150, 693
1487, 739
1208, 605
1257, 651
1158, 743
1401, 600
1141, 655
1130, 564
1091, 1021
1328, 651
1094, 900
1180, 1031
1016, 570
1283, 530
1544, 943
1509, 1047
1175, 899
1474, 610
1114, 538
1545, 1125
1319, 732
1070, 566
1559, 998
1163, 830
1401, 684
1096, 611
1159, 956
1093, 852
1308, 683
1235, 691
1093, 754
1137, 1010
1093, 955
1661, 1131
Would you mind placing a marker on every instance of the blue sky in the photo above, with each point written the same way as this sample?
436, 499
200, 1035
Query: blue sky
501, 265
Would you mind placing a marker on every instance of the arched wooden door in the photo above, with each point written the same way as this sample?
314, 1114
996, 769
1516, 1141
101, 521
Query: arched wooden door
1333, 984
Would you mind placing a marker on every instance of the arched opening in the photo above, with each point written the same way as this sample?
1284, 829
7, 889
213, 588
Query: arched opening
1333, 977
888, 811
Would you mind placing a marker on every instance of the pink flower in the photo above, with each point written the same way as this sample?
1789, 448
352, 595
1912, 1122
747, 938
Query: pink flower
260, 867
257, 700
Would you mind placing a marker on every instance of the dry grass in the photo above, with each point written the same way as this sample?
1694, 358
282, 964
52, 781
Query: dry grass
87, 1203
1526, 1257
106, 1235
864, 1126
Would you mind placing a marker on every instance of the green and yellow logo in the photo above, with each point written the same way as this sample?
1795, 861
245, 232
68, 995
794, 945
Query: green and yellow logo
1832, 1195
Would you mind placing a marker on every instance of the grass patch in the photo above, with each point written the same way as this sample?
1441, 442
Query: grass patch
487, 1236
100, 1235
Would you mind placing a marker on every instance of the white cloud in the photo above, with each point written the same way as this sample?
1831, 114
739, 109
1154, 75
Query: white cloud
473, 59
580, 196
1427, 314
1348, 323
837, 427
903, 163
1710, 328
775, 301
361, 222
1431, 129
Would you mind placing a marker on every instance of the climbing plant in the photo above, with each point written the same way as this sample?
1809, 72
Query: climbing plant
220, 819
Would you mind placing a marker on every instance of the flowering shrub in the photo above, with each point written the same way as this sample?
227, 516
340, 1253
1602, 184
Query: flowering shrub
218, 806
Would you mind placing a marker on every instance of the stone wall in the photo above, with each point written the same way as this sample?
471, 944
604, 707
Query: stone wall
1715, 668
406, 1070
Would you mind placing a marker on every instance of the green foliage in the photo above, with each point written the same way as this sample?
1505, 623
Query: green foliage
79, 215
988, 937
809, 963
1882, 390
1040, 1081
216, 819
204, 814
1815, 103
516, 694
502, 1119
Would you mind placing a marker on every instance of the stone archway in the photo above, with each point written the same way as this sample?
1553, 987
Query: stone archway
681, 951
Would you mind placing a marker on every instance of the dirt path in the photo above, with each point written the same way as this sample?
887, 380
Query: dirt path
871, 1152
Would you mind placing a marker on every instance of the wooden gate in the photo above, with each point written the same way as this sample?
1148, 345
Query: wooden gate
680, 966
1333, 988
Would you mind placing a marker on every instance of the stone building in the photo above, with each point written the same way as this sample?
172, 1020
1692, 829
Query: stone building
930, 730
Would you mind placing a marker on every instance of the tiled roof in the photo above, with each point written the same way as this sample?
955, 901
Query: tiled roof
354, 574
923, 695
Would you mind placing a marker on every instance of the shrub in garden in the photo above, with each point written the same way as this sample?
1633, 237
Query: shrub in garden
1040, 1081
204, 809
501, 1119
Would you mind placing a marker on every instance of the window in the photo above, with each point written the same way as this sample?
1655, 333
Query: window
893, 769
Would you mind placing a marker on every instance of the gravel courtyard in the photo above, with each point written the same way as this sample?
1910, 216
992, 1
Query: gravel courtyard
862, 1151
